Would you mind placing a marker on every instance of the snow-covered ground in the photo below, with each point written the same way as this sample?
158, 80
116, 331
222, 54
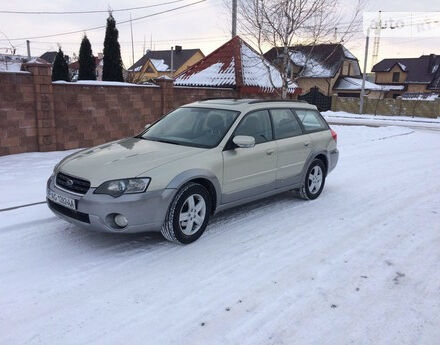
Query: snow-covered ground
359, 265
343, 118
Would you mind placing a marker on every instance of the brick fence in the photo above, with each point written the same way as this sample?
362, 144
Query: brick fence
388, 106
38, 115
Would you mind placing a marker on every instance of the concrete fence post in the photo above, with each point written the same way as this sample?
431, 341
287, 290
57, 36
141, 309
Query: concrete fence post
167, 93
46, 128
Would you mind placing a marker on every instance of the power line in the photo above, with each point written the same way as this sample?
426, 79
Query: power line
103, 26
89, 12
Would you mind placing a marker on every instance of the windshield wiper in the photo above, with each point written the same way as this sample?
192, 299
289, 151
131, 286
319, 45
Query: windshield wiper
162, 141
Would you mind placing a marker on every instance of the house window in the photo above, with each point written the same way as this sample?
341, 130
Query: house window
396, 77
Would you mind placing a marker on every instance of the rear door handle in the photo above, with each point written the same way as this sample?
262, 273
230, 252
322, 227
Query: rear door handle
269, 152
307, 143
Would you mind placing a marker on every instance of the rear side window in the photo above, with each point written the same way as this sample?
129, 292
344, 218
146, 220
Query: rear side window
285, 124
311, 120
257, 125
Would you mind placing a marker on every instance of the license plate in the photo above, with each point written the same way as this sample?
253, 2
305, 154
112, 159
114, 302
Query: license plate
61, 200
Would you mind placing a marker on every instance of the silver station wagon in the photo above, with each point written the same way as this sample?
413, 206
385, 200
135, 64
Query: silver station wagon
199, 159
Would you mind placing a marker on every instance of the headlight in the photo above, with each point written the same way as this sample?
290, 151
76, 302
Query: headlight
116, 188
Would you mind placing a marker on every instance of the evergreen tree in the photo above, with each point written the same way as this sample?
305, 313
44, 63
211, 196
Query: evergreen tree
60, 70
112, 69
86, 61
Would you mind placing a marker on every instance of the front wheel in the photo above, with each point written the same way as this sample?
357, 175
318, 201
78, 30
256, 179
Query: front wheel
188, 214
314, 181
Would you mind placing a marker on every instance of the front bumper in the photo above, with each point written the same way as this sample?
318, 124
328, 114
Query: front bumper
144, 211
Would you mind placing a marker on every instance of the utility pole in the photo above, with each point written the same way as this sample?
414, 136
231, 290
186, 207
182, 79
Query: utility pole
376, 41
28, 44
361, 101
234, 18
132, 45
335, 35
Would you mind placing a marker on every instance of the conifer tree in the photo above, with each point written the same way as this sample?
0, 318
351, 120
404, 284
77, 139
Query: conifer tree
87, 67
60, 70
112, 69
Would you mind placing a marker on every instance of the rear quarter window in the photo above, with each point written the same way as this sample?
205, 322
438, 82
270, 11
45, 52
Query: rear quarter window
312, 121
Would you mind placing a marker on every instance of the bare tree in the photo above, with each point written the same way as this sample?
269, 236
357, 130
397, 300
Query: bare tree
282, 24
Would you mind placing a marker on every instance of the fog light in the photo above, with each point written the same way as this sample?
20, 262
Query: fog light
120, 220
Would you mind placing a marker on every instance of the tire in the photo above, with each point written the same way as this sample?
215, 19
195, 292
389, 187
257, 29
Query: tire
195, 216
314, 181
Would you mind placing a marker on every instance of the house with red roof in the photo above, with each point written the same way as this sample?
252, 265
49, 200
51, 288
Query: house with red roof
236, 65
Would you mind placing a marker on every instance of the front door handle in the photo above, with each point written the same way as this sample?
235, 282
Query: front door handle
269, 152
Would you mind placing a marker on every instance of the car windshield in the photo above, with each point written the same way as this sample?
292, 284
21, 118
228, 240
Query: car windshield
199, 127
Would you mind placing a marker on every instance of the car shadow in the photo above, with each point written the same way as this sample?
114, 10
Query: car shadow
115, 242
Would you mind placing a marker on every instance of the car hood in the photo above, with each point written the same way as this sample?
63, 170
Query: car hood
124, 158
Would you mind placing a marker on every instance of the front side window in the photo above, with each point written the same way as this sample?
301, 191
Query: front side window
257, 125
285, 124
199, 127
311, 120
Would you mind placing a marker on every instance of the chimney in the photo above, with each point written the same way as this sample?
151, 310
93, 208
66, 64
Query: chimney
178, 49
100, 56
431, 63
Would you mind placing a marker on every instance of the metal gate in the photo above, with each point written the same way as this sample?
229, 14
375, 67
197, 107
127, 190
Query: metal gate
322, 102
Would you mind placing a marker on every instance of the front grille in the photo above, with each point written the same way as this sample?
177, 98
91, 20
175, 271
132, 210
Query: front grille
72, 184
82, 217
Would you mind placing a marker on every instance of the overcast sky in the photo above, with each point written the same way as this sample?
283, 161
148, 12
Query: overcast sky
204, 25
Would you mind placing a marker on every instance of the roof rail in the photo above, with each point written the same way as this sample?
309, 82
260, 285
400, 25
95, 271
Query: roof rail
277, 100
215, 98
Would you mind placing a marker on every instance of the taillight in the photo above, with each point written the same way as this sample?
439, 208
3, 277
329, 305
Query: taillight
334, 135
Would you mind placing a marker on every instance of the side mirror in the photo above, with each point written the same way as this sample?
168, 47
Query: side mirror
148, 125
244, 141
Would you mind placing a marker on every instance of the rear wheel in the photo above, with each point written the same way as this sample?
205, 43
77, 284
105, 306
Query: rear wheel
188, 214
314, 181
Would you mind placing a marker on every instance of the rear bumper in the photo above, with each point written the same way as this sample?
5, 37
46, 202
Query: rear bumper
144, 211
333, 159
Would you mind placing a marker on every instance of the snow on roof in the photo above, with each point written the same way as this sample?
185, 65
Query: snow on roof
259, 72
348, 54
392, 87
13, 63
159, 65
10, 66
402, 66
217, 74
349, 83
233, 64
311, 67
419, 96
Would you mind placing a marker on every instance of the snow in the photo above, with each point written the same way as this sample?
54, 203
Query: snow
98, 83
349, 83
341, 117
419, 96
216, 74
164, 77
312, 67
259, 72
160, 65
348, 54
27, 187
359, 265
10, 66
390, 87
402, 66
